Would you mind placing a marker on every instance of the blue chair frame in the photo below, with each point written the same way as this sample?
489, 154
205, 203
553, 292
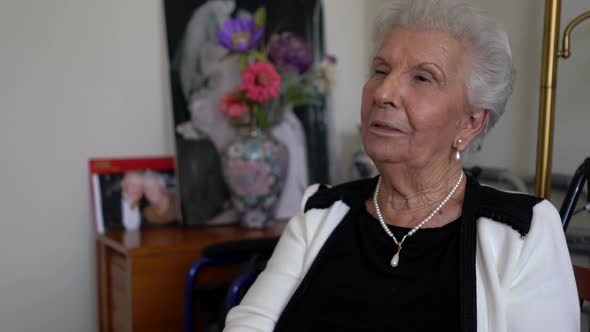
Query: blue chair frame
193, 272
224, 254
243, 281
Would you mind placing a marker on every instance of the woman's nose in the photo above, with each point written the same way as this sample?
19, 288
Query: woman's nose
388, 92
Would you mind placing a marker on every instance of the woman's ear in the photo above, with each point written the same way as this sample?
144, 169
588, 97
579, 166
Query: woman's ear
473, 124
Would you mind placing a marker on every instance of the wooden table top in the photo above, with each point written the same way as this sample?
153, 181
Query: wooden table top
179, 238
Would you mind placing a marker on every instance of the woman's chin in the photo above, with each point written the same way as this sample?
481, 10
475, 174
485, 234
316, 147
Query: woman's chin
380, 153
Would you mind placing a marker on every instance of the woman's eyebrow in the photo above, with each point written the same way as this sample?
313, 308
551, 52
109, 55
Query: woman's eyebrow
426, 65
379, 59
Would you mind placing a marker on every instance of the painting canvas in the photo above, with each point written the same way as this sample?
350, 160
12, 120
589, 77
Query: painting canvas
132, 193
199, 78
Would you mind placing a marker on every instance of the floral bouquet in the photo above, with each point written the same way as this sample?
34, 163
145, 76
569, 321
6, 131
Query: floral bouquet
273, 76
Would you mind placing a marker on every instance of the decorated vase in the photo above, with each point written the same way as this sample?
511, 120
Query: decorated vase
255, 168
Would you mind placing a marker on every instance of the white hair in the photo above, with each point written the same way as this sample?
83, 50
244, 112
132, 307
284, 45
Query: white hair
490, 78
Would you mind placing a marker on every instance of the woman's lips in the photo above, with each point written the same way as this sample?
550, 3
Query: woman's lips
384, 128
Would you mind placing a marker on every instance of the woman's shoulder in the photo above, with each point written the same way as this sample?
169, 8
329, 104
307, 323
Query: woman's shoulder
521, 230
353, 194
515, 209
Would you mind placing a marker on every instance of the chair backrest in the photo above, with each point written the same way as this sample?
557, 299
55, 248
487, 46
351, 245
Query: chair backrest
250, 271
582, 275
582, 175
250, 254
574, 191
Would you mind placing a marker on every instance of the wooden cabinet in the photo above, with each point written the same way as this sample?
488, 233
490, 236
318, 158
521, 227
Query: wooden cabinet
141, 275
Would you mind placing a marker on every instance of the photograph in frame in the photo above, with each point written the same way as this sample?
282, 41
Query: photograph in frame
133, 193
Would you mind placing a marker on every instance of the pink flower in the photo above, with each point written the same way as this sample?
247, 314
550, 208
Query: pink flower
232, 106
261, 82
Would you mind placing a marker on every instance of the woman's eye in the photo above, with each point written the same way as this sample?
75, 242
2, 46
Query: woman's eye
380, 72
422, 78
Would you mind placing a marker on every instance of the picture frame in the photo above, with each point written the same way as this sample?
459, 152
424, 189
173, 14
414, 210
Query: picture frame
200, 131
133, 193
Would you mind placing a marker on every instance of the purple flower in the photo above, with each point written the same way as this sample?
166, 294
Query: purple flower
290, 52
240, 34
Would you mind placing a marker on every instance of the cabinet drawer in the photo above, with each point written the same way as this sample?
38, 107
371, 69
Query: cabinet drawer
120, 293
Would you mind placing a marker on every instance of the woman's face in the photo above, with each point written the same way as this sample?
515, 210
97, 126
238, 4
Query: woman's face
132, 185
414, 100
154, 189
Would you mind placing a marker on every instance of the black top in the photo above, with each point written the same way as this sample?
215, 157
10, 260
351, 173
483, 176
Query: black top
354, 288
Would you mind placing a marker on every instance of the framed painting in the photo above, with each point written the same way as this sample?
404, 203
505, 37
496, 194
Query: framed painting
199, 78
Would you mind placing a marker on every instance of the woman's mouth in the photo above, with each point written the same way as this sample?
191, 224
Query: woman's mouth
384, 128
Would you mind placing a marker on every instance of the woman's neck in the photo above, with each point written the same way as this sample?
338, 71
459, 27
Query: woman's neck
409, 195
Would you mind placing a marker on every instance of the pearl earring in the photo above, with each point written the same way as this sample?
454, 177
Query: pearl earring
458, 153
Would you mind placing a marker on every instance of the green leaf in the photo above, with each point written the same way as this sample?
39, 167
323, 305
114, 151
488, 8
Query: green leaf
240, 94
261, 118
260, 56
260, 17
295, 97
243, 61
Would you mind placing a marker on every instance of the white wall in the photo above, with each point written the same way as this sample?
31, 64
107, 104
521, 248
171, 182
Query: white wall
78, 78
345, 29
512, 144
83, 78
572, 125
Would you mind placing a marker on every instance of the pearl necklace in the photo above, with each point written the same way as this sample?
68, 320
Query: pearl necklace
395, 259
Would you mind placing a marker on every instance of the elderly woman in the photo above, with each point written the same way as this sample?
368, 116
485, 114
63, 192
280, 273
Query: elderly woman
422, 247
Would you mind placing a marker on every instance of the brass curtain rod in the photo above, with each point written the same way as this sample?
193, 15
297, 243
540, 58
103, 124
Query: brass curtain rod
548, 84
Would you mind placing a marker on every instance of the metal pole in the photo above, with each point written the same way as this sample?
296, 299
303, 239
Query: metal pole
547, 101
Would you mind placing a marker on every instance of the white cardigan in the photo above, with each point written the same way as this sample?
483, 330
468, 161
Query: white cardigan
522, 283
